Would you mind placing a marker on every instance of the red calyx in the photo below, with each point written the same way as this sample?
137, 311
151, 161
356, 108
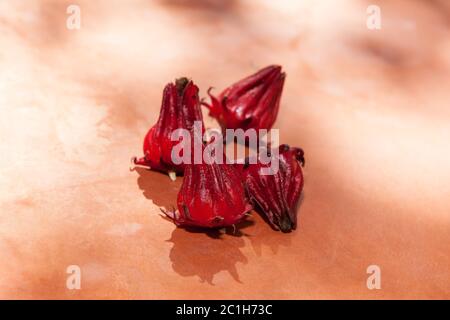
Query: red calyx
252, 102
211, 196
179, 109
276, 196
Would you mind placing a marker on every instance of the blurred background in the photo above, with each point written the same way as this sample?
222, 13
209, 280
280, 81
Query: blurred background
369, 107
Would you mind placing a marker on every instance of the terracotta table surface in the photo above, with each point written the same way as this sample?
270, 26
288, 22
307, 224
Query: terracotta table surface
369, 107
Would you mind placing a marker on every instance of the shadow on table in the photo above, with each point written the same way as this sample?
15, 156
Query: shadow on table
158, 187
201, 253
195, 251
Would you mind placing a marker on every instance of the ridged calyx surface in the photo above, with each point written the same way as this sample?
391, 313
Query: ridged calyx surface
180, 107
276, 196
251, 103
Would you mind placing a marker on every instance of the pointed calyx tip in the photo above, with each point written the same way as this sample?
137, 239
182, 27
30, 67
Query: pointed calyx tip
250, 103
285, 223
181, 84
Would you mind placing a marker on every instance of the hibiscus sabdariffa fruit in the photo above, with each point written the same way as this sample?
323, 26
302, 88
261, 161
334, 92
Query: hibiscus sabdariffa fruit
180, 108
212, 196
251, 103
276, 195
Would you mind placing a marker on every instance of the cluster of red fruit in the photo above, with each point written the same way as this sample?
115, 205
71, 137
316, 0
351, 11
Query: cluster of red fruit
220, 194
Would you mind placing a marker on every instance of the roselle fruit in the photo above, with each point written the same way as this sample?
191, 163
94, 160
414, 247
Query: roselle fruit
211, 196
180, 107
276, 195
251, 103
